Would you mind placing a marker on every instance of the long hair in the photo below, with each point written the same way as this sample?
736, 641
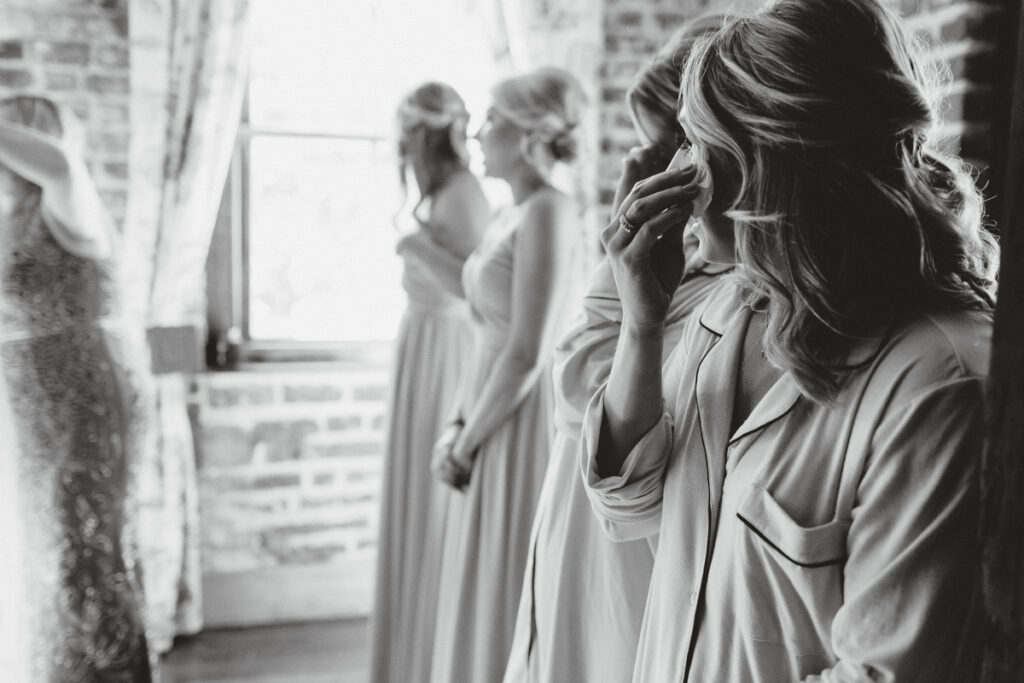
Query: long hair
847, 216
656, 86
548, 103
439, 110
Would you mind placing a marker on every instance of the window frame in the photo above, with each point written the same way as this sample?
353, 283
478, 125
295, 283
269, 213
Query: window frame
235, 213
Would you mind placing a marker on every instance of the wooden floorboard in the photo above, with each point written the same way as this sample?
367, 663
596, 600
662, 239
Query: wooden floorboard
319, 652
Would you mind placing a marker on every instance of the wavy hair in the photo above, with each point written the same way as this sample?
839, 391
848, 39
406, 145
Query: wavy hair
656, 86
548, 103
848, 216
441, 112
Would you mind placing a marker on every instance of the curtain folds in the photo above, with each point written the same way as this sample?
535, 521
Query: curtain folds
189, 60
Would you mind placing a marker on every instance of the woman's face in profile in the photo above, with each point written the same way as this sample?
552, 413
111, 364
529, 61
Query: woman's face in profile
500, 141
716, 232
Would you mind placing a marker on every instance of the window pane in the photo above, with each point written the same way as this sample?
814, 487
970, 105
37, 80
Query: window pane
322, 265
340, 66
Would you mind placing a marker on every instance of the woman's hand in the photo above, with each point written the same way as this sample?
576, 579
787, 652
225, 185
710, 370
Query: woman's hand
448, 466
639, 164
644, 243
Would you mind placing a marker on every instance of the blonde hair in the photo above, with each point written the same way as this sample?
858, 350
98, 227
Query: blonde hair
441, 111
547, 103
848, 216
656, 86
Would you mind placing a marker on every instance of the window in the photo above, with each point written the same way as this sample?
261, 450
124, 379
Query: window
314, 184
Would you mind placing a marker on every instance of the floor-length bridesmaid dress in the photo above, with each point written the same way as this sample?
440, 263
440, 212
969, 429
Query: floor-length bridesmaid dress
487, 540
434, 342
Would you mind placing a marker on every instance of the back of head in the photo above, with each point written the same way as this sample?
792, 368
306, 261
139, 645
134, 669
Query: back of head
548, 103
437, 111
656, 86
847, 213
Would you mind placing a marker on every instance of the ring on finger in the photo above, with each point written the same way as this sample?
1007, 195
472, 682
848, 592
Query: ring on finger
625, 224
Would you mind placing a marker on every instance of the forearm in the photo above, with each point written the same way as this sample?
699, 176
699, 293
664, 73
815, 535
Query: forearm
633, 398
510, 380
31, 155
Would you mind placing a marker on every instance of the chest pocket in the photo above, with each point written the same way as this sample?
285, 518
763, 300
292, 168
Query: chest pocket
808, 547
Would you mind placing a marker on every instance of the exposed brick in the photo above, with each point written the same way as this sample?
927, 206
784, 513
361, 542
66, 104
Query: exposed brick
613, 94
113, 114
343, 449
670, 21
12, 49
60, 25
311, 393
63, 52
370, 392
15, 78
324, 478
61, 81
107, 84
378, 422
111, 56
116, 169
234, 396
975, 66
276, 481
972, 105
626, 19
343, 422
224, 447
979, 24
283, 440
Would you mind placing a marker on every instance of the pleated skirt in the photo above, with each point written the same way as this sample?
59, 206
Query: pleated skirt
431, 357
487, 544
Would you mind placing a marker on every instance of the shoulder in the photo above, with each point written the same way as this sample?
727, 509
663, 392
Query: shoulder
462, 189
546, 209
931, 351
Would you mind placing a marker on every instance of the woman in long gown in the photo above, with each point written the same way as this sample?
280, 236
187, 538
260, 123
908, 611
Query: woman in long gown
71, 398
433, 343
515, 284
809, 453
583, 594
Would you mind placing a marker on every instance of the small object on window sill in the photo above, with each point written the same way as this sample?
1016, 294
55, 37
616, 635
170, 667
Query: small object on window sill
223, 349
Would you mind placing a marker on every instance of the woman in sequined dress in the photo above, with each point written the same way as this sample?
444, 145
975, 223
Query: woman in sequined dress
70, 393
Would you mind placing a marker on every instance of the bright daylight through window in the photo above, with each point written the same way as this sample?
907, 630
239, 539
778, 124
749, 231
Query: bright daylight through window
319, 146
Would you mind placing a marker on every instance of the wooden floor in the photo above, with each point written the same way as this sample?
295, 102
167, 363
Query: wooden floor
321, 652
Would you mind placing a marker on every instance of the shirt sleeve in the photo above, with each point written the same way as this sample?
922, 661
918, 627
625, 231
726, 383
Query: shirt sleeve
911, 575
628, 504
583, 359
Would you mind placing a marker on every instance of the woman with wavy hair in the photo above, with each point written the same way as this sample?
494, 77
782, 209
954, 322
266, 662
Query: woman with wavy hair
496, 451
433, 340
73, 399
567, 630
808, 454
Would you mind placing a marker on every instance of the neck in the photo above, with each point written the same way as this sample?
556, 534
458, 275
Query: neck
524, 182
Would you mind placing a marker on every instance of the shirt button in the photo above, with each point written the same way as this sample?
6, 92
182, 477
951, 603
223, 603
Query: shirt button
693, 598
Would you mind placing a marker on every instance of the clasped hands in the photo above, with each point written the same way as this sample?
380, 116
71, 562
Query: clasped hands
451, 465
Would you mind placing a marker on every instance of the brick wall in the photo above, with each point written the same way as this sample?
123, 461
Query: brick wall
76, 52
289, 478
964, 32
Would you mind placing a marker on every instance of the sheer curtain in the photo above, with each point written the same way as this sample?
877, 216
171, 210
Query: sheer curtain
188, 80
567, 34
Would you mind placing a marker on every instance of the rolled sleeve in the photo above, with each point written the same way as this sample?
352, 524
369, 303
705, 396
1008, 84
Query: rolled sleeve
628, 504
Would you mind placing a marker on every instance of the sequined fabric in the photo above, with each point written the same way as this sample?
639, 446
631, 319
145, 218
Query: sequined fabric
71, 401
